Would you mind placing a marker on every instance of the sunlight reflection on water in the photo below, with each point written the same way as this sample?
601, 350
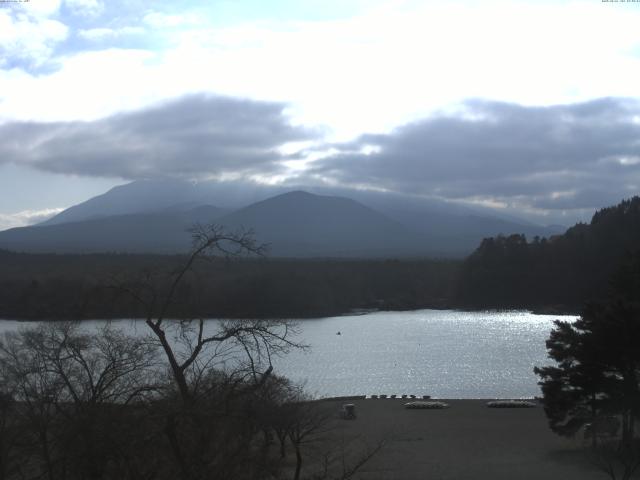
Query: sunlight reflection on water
442, 353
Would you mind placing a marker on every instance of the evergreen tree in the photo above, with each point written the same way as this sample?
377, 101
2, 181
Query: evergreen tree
598, 362
560, 273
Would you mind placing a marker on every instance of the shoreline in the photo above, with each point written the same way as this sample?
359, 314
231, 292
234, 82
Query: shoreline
351, 313
408, 398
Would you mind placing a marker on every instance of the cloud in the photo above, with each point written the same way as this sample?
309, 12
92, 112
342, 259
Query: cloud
28, 37
357, 70
102, 34
539, 158
164, 20
194, 136
26, 217
86, 87
85, 8
41, 8
367, 71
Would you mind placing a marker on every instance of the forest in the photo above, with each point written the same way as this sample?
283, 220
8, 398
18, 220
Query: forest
556, 275
87, 286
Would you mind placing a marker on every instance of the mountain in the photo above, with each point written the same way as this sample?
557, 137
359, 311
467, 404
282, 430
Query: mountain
300, 224
164, 232
152, 216
295, 224
149, 196
445, 228
449, 229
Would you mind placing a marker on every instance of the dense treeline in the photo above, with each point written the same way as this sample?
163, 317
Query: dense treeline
36, 286
560, 273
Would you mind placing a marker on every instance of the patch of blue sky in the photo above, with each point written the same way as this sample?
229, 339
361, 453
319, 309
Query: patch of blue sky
136, 24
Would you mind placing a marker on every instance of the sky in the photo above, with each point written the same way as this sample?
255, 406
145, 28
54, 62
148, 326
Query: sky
528, 107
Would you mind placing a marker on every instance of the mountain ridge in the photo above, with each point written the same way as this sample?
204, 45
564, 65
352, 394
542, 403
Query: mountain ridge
369, 225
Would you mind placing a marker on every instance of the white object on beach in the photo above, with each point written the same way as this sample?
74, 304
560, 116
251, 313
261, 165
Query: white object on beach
510, 404
422, 405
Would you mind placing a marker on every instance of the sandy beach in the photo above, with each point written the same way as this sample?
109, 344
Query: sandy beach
467, 441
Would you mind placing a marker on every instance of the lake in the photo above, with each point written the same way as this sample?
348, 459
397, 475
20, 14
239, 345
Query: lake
442, 353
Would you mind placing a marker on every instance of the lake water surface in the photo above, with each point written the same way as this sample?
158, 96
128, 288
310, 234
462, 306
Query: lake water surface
442, 353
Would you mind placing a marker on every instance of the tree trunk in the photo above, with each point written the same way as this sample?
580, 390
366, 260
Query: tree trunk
626, 429
46, 454
268, 438
298, 463
283, 452
594, 442
178, 373
282, 438
170, 431
3, 474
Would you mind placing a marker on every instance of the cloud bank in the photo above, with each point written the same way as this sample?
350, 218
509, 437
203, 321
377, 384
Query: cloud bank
575, 156
198, 135
558, 161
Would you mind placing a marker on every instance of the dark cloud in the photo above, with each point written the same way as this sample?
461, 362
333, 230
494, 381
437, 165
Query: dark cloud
553, 159
188, 137
558, 157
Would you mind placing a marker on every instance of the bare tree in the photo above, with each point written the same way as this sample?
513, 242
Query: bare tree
341, 463
217, 367
618, 460
251, 344
310, 426
309, 422
105, 405
72, 391
10, 436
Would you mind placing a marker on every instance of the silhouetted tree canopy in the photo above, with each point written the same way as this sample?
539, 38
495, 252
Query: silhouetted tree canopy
35, 286
597, 370
560, 273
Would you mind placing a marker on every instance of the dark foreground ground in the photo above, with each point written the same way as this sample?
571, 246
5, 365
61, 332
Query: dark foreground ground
467, 441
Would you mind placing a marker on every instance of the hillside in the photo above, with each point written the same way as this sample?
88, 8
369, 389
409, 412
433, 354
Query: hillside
152, 216
295, 224
161, 232
300, 224
145, 196
558, 274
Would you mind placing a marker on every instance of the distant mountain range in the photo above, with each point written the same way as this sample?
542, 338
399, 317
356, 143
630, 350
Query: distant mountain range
154, 216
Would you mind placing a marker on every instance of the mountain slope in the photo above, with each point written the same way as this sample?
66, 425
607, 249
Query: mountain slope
148, 196
302, 224
136, 233
152, 215
295, 224
448, 229
137, 197
445, 228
